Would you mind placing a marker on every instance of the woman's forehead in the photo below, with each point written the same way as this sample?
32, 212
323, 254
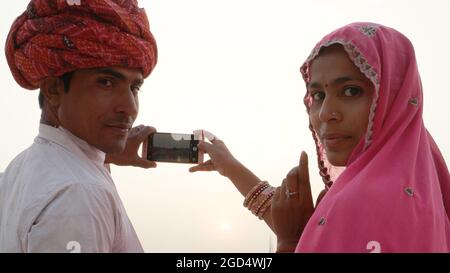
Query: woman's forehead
334, 62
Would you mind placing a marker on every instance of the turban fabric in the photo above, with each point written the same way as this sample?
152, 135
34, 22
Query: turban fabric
53, 37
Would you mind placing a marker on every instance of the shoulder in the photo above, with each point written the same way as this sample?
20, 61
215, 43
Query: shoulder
77, 197
78, 200
48, 169
73, 208
79, 213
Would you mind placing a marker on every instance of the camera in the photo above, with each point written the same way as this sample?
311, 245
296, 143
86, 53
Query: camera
173, 148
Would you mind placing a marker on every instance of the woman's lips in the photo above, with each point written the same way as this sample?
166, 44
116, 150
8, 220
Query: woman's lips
334, 141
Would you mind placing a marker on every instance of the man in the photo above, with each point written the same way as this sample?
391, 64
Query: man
89, 59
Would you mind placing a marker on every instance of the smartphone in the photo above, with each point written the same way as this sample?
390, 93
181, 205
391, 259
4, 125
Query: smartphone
173, 148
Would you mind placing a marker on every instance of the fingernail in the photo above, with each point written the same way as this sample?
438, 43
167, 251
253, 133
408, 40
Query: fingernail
304, 154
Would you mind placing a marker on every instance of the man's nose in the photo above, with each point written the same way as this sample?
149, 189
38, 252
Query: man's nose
128, 103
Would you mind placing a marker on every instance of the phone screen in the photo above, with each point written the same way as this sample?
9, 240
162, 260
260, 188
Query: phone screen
176, 148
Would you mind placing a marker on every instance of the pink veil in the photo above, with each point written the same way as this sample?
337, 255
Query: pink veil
394, 194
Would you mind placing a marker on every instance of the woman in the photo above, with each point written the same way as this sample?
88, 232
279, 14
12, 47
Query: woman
387, 187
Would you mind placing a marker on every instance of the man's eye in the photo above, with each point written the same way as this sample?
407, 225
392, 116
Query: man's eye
352, 91
136, 89
105, 82
318, 96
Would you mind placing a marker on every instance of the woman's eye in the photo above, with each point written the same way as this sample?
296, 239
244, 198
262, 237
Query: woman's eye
318, 96
351, 91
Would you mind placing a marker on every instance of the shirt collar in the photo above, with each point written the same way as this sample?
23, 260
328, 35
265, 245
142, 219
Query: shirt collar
72, 143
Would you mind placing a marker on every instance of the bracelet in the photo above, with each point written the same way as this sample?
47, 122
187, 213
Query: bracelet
265, 197
254, 192
257, 196
264, 208
259, 199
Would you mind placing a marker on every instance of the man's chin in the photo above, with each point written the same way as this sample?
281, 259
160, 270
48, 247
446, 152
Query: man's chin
114, 148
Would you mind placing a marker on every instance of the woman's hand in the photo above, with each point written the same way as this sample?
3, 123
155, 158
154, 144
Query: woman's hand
221, 160
292, 206
129, 156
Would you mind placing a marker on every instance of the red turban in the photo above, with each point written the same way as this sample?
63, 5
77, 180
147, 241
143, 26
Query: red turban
53, 37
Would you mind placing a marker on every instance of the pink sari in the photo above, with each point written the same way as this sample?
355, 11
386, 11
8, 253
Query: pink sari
394, 194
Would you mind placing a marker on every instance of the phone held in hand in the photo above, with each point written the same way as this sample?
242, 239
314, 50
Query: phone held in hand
173, 148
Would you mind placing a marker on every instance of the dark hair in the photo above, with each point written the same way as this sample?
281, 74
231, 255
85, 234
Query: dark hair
66, 78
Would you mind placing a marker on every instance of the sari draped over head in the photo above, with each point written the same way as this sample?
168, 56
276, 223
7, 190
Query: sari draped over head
53, 37
394, 194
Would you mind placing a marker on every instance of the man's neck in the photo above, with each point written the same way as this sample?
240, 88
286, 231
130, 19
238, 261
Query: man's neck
49, 118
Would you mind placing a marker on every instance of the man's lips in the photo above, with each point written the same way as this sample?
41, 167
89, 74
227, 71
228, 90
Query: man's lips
122, 128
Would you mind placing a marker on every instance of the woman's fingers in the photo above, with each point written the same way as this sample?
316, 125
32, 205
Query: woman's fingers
276, 195
206, 166
292, 190
221, 160
304, 185
205, 147
208, 135
296, 186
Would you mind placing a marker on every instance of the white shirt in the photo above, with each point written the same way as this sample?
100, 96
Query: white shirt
57, 196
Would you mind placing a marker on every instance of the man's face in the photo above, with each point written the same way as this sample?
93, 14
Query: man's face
101, 106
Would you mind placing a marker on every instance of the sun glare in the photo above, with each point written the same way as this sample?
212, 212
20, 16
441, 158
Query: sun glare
225, 226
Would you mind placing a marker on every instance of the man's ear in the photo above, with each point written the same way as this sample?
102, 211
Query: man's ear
52, 88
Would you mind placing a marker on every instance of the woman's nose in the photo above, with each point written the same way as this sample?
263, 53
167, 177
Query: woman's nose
329, 110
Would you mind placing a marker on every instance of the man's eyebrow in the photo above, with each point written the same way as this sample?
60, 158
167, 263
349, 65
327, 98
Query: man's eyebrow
336, 81
117, 75
111, 72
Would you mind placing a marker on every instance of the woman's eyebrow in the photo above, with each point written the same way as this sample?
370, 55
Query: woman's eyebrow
337, 81
314, 85
342, 80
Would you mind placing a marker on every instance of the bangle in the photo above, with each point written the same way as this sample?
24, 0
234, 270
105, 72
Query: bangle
264, 198
254, 192
259, 199
264, 208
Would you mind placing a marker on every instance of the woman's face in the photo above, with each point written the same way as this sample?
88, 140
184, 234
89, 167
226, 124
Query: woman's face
341, 99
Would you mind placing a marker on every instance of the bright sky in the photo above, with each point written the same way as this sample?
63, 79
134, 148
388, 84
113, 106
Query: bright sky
232, 67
